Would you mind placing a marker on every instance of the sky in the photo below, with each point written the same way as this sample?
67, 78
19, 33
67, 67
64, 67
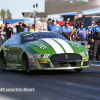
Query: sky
18, 6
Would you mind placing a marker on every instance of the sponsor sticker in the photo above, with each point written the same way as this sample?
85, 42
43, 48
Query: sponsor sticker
41, 45
12, 57
12, 66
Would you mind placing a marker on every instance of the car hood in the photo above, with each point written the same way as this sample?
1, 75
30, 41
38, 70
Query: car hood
55, 46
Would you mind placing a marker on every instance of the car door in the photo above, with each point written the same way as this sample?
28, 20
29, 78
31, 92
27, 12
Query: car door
13, 52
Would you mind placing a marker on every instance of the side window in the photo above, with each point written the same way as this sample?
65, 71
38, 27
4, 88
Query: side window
14, 40
7, 42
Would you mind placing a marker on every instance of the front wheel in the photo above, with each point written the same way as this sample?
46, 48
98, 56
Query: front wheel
26, 64
78, 70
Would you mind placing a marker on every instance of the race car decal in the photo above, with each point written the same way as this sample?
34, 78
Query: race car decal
75, 44
54, 45
65, 45
41, 45
12, 66
12, 57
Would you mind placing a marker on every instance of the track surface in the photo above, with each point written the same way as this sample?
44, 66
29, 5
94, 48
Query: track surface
52, 85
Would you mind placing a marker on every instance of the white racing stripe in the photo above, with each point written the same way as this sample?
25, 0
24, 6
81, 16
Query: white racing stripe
65, 45
54, 45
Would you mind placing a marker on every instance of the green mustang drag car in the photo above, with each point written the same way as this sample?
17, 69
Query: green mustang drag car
42, 50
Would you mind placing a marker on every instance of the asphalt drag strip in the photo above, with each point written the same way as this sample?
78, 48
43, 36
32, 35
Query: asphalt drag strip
51, 85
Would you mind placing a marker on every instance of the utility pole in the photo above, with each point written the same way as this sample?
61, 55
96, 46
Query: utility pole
35, 10
35, 14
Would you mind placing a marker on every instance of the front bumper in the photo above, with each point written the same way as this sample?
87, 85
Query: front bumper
63, 68
68, 65
61, 63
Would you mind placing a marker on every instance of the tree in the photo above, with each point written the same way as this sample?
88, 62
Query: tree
3, 14
8, 14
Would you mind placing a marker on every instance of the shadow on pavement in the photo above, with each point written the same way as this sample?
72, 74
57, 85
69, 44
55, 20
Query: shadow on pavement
38, 72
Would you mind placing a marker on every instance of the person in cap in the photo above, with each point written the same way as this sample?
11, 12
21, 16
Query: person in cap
89, 33
89, 37
2, 29
68, 19
2, 34
21, 27
32, 29
91, 27
8, 30
77, 25
66, 31
54, 26
96, 40
81, 31
2, 26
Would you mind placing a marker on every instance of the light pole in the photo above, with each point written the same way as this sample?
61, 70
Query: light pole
35, 10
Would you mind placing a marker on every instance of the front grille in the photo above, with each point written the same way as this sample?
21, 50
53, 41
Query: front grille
67, 63
65, 56
66, 60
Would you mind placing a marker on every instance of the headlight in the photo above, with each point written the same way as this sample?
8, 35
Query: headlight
84, 54
41, 55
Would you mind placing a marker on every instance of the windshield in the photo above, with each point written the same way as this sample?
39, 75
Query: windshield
38, 35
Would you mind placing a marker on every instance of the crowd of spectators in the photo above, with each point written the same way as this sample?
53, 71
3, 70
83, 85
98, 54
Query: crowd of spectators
77, 33
80, 33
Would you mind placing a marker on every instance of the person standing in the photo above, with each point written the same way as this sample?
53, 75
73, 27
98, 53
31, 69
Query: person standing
91, 27
32, 29
8, 30
89, 33
96, 40
76, 31
67, 31
2, 29
54, 27
90, 40
2, 35
20, 27
81, 31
